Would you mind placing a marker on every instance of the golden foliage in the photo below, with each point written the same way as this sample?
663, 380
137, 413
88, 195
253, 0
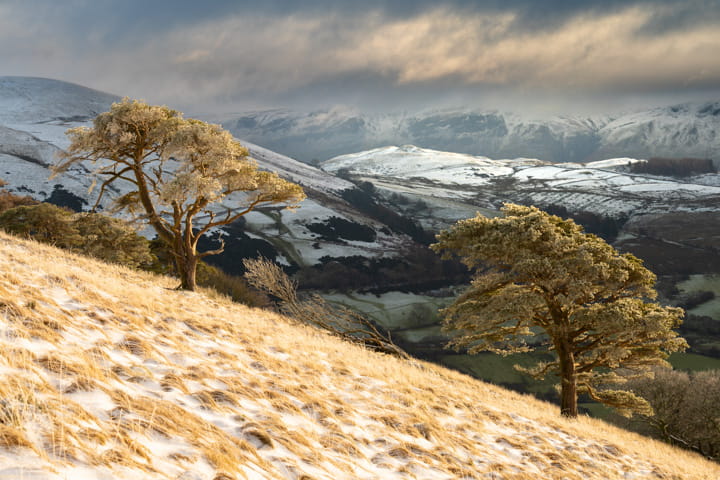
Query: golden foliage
539, 273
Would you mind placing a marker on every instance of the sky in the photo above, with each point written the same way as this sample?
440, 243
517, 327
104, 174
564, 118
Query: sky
221, 56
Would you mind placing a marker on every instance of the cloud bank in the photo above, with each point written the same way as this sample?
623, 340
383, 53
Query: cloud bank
231, 54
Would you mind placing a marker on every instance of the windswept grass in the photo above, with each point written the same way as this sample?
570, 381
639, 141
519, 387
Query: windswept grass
110, 370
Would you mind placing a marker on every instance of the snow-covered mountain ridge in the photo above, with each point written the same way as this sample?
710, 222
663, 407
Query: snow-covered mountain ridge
670, 222
686, 130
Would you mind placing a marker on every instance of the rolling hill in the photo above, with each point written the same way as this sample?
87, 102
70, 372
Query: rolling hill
606, 187
109, 373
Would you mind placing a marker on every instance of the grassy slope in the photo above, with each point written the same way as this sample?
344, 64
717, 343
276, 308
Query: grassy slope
109, 373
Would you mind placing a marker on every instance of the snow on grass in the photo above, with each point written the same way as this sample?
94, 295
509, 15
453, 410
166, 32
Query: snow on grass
118, 376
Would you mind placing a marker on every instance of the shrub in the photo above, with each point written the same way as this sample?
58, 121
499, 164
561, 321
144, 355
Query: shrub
109, 239
237, 288
314, 310
112, 240
685, 406
44, 222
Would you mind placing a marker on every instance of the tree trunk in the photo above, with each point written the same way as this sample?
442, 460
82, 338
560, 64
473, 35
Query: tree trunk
186, 264
568, 386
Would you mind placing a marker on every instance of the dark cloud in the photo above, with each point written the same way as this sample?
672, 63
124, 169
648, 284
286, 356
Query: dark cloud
227, 53
682, 16
132, 17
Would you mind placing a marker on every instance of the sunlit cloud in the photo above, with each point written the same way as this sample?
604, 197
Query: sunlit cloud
598, 52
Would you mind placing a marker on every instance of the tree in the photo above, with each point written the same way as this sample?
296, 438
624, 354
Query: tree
537, 273
175, 172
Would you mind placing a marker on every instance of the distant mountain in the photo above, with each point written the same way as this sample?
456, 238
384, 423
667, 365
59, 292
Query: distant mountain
687, 130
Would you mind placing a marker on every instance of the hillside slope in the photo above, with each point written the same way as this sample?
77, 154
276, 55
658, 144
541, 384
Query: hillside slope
108, 373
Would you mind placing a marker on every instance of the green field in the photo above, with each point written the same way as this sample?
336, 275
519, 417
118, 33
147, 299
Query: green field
694, 362
501, 370
704, 283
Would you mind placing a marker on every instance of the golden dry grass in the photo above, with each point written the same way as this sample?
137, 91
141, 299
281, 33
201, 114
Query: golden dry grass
109, 368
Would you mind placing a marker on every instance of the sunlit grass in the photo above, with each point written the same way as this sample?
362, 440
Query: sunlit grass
108, 368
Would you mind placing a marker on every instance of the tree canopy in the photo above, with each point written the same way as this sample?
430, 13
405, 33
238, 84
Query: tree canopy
175, 174
537, 273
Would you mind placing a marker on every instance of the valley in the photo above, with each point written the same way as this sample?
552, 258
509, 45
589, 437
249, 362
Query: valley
672, 223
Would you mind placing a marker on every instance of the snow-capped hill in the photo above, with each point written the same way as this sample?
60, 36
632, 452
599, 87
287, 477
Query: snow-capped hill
605, 187
43, 100
409, 161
